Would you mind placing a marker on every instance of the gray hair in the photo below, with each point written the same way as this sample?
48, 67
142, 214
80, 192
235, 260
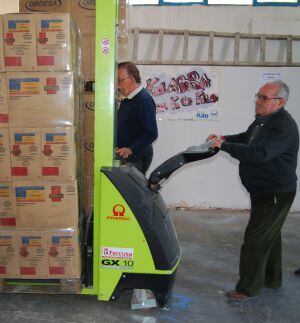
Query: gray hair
284, 90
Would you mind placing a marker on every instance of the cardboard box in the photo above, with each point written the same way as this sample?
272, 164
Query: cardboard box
44, 6
84, 14
1, 45
7, 206
89, 155
19, 42
88, 57
5, 162
90, 187
33, 257
83, 11
90, 201
58, 153
25, 153
63, 254
3, 100
9, 260
45, 204
62, 203
41, 99
55, 42
89, 113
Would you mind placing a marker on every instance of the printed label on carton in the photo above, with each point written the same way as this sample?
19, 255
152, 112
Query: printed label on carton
5, 163
19, 25
63, 251
24, 86
41, 99
30, 194
25, 153
7, 206
3, 99
32, 255
58, 159
19, 42
8, 255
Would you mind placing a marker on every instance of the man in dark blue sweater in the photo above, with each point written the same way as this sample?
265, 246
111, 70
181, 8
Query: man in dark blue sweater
136, 123
267, 152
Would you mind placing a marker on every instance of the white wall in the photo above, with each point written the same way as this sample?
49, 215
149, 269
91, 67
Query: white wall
7, 6
215, 182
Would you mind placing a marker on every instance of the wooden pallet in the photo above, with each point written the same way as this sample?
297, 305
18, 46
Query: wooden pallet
62, 286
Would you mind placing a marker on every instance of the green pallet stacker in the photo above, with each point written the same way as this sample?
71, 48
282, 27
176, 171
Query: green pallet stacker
135, 245
134, 241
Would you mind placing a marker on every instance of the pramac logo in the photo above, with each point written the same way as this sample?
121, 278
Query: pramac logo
118, 210
38, 5
87, 4
118, 213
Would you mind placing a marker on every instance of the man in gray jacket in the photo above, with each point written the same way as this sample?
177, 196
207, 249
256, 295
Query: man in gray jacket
267, 152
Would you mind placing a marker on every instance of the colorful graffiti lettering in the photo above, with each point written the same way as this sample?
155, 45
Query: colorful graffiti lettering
184, 92
181, 84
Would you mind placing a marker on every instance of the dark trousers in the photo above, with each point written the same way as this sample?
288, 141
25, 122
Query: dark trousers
144, 160
261, 258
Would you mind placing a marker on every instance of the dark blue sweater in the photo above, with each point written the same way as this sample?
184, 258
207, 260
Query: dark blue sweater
268, 160
136, 125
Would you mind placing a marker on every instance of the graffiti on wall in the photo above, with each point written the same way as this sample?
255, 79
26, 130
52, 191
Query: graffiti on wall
188, 95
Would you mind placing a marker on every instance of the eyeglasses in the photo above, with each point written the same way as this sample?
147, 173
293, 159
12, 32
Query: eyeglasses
264, 98
125, 78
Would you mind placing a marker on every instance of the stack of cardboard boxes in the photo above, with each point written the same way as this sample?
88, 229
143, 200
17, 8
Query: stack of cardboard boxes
39, 104
84, 14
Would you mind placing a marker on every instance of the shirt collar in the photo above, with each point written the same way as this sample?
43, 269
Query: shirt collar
264, 119
135, 92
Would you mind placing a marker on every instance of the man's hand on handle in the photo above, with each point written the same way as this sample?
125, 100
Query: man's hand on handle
217, 140
124, 152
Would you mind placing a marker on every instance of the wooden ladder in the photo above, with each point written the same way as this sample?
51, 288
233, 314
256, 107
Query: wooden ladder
235, 60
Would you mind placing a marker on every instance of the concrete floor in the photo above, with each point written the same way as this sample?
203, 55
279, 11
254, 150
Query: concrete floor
210, 241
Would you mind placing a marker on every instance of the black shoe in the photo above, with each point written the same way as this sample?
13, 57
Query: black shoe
297, 272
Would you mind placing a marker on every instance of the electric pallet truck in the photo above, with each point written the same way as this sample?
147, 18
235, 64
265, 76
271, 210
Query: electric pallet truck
130, 240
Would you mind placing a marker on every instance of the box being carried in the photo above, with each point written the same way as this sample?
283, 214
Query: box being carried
41, 99
9, 260
19, 42
7, 206
33, 258
63, 254
56, 42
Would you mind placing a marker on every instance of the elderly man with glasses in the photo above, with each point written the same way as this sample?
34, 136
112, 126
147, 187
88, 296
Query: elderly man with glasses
267, 152
136, 123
